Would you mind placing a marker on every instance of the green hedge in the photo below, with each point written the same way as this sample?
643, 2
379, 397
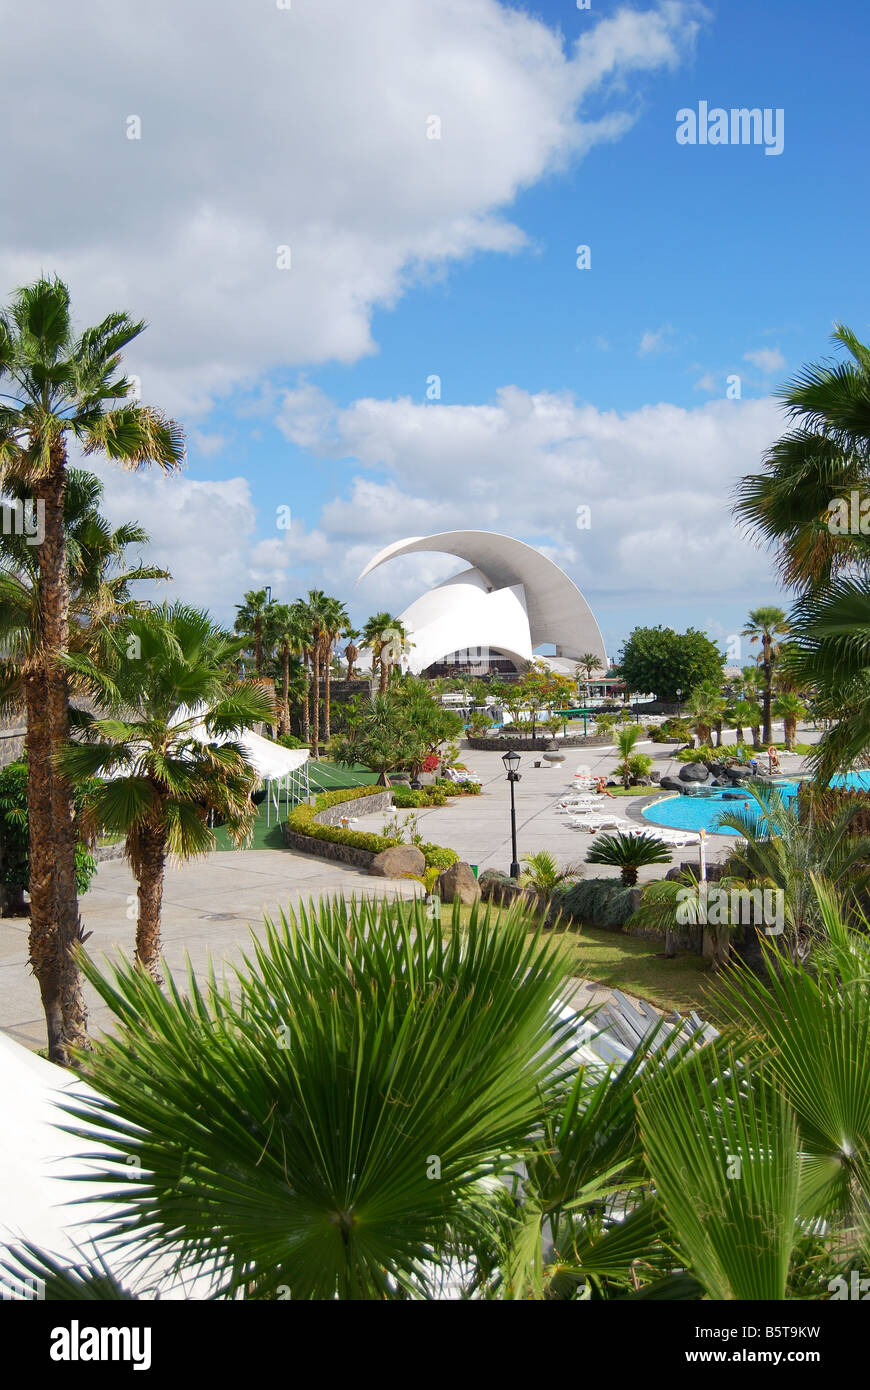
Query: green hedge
597, 902
301, 820
324, 800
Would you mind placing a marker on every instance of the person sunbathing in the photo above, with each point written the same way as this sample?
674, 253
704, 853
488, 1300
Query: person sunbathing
772, 761
602, 789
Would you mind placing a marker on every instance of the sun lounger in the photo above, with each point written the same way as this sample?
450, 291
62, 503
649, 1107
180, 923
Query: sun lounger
598, 822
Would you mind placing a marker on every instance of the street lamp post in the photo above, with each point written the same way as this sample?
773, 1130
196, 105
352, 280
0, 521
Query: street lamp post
679, 702
512, 761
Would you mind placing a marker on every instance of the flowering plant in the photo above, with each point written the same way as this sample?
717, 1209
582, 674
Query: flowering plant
430, 762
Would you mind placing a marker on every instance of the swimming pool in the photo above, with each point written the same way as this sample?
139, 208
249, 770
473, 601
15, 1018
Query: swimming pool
701, 810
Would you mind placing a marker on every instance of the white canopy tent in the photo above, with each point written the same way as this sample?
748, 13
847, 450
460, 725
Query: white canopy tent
282, 771
41, 1183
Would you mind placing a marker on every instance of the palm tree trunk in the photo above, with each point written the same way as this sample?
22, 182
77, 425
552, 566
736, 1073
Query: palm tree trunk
765, 706
756, 737
258, 646
150, 867
285, 698
44, 944
315, 747
738, 735
326, 703
385, 672
306, 714
54, 630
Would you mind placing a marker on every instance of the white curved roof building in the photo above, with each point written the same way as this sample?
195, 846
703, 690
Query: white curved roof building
512, 600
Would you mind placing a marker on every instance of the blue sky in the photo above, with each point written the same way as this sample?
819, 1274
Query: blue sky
703, 259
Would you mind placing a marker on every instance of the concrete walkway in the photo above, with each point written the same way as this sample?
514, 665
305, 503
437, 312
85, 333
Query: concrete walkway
210, 904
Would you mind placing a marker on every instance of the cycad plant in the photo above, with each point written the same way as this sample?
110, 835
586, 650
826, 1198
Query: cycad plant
167, 695
544, 875
59, 383
629, 853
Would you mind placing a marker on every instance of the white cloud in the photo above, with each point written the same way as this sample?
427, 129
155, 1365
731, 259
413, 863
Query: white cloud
655, 341
705, 383
767, 360
305, 127
658, 482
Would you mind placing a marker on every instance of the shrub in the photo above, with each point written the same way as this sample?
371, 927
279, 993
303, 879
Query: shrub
597, 902
675, 728
290, 741
407, 799
438, 856
15, 833
704, 754
456, 788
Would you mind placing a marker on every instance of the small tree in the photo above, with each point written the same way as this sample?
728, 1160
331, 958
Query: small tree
789, 708
625, 741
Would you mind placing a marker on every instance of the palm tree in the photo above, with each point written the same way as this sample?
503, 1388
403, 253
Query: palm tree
351, 651
288, 627
588, 663
625, 741
318, 616
628, 853
336, 619
164, 780
386, 637
789, 708
62, 383
255, 619
744, 713
704, 708
830, 654
822, 457
765, 625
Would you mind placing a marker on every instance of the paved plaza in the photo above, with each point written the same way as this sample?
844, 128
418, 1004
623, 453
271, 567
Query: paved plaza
210, 904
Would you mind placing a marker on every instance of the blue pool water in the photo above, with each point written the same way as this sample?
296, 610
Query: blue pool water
702, 810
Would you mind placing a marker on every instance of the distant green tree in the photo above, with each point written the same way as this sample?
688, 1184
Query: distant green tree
664, 661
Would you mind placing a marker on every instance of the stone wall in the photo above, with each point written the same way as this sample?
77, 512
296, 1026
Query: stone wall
328, 849
332, 815
519, 743
11, 742
361, 805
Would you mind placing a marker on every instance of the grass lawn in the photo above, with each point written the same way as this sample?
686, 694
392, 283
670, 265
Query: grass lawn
636, 966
